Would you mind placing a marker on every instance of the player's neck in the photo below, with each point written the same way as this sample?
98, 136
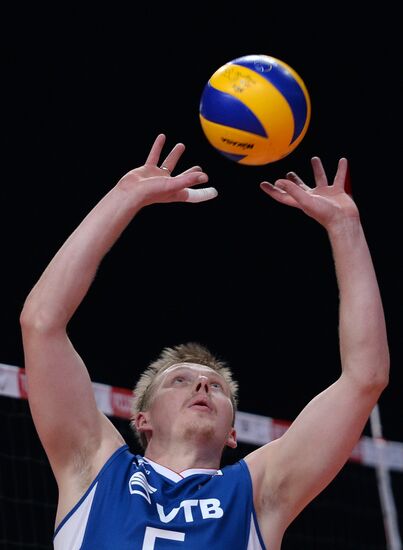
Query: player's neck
183, 457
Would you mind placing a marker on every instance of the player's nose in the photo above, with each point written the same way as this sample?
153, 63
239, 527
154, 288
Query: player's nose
202, 384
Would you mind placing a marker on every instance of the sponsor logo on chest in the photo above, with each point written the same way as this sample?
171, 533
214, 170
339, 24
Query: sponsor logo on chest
206, 508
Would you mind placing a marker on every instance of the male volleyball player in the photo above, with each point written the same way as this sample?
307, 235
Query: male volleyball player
176, 496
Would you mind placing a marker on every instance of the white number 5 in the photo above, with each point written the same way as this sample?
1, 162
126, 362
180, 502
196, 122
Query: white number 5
152, 534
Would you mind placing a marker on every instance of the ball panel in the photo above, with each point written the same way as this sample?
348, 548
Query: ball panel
260, 96
227, 110
287, 81
235, 158
236, 144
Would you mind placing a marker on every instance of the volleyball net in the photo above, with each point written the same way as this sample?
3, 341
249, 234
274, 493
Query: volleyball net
361, 509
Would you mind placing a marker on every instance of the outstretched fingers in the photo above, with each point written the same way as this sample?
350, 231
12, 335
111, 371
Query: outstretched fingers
296, 179
298, 193
320, 175
280, 191
193, 169
290, 191
182, 187
200, 195
319, 172
155, 151
172, 158
341, 177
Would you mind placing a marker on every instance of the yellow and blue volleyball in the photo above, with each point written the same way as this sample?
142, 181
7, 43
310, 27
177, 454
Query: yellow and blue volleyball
255, 109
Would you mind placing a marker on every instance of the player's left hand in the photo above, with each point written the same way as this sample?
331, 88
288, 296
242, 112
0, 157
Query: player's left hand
326, 203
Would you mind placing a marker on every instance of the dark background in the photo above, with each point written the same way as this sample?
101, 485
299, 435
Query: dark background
87, 91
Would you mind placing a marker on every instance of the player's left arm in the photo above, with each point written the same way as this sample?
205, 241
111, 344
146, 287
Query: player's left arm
291, 471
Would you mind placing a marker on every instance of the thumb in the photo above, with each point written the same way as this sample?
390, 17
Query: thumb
201, 195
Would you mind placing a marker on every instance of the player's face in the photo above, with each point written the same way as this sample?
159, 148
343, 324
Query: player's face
190, 400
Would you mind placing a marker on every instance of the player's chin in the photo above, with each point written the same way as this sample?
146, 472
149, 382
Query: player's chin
201, 409
201, 429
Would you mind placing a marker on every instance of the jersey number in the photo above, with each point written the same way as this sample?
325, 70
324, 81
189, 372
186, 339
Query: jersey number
152, 534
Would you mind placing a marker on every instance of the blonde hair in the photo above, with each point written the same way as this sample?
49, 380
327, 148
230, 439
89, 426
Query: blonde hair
191, 352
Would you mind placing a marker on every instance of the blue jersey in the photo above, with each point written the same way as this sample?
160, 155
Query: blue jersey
136, 504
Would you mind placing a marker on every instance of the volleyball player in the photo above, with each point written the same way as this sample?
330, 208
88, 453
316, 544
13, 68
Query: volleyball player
175, 495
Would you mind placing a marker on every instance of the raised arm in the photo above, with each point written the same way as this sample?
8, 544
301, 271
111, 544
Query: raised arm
300, 464
75, 435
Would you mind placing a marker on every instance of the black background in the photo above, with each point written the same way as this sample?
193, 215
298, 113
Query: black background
87, 89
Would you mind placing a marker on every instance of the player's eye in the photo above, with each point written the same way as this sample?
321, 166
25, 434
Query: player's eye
179, 379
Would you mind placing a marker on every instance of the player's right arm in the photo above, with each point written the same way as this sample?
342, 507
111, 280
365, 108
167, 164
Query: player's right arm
76, 436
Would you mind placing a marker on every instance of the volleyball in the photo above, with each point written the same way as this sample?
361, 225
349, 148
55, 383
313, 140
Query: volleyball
255, 109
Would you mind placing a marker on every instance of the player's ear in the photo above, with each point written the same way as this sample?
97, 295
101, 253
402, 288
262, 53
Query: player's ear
142, 421
231, 439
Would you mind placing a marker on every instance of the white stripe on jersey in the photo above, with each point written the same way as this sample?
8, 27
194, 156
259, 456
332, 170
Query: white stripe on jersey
70, 535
